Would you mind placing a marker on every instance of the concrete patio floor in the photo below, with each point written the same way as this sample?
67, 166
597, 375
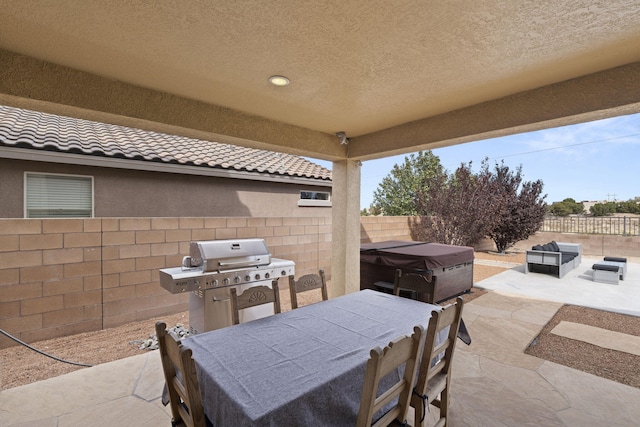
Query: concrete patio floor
495, 383
576, 287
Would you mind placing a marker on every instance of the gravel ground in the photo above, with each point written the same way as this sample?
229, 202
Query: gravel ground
20, 365
614, 365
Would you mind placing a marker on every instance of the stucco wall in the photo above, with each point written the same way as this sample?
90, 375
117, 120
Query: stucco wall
64, 276
131, 193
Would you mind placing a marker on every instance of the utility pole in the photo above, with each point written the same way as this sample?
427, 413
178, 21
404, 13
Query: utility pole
614, 197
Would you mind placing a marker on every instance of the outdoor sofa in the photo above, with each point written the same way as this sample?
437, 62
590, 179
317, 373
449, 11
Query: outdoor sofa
554, 258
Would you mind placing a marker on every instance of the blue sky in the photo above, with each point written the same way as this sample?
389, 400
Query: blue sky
598, 160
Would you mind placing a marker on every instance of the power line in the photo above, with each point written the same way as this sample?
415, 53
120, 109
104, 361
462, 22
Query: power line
554, 148
564, 146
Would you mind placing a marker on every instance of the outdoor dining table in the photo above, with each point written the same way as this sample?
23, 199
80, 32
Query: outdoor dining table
302, 367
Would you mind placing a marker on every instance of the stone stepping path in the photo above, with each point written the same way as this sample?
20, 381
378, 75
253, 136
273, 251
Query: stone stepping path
597, 336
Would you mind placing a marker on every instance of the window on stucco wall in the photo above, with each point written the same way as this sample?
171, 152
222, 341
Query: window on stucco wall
314, 198
58, 196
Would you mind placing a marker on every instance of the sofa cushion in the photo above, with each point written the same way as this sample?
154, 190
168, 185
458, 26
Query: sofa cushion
568, 256
615, 259
555, 246
605, 267
549, 247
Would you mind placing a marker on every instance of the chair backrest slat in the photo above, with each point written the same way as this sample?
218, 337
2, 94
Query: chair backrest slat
252, 297
181, 379
402, 351
306, 283
434, 376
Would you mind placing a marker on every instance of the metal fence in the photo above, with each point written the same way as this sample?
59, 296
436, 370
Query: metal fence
624, 226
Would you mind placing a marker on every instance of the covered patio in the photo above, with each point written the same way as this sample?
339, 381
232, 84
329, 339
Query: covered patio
366, 80
495, 382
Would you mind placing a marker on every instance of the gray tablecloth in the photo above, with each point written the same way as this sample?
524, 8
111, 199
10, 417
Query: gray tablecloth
303, 367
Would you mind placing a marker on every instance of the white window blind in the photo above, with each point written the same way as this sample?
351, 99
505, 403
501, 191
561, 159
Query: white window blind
58, 196
315, 198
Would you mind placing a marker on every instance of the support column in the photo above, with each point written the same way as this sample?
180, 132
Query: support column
345, 236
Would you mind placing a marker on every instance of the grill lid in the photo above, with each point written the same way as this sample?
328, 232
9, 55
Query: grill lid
218, 255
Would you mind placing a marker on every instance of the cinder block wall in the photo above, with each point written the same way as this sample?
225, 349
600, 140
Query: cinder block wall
381, 228
592, 244
65, 276
50, 277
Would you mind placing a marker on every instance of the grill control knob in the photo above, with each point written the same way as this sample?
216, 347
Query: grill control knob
283, 273
226, 282
257, 276
236, 279
247, 278
214, 282
267, 275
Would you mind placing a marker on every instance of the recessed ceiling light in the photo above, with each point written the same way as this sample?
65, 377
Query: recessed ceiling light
279, 80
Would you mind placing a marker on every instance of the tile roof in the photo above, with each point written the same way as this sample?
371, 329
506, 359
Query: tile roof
42, 131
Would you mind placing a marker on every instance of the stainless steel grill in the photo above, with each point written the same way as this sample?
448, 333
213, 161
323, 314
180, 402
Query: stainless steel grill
212, 268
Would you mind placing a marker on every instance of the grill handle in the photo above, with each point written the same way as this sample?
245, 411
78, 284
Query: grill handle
235, 263
188, 263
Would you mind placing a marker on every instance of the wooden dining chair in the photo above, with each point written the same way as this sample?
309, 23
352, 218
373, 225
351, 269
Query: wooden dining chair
402, 351
434, 377
252, 297
305, 283
412, 282
181, 380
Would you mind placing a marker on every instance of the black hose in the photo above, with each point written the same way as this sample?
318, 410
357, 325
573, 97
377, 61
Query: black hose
8, 335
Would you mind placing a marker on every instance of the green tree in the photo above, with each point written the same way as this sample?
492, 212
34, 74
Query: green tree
371, 211
603, 209
566, 207
396, 194
577, 208
375, 210
560, 209
630, 206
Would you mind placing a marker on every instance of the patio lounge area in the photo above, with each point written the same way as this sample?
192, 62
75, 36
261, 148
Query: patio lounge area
576, 287
495, 383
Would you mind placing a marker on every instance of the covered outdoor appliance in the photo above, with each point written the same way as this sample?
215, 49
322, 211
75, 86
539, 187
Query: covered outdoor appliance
213, 268
449, 267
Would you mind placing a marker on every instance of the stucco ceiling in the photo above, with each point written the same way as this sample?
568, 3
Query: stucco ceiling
362, 67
